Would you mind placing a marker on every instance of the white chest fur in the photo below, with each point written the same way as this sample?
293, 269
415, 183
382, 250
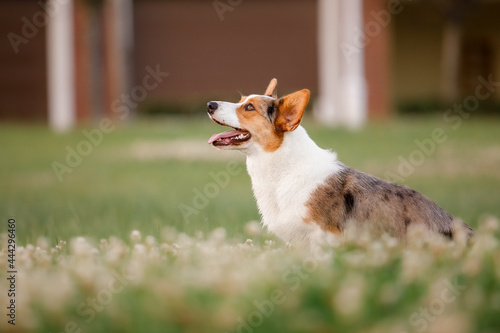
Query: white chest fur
283, 181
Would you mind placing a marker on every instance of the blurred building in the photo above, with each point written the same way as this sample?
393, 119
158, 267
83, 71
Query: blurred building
66, 62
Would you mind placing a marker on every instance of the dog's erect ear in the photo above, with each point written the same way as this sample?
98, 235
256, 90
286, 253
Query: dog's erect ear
291, 109
271, 89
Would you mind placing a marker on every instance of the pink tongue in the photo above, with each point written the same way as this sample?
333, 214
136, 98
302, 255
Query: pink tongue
224, 135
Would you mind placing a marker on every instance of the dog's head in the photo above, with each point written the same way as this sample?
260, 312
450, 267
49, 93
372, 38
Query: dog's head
258, 119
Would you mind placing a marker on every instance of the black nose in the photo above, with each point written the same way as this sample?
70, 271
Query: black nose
212, 106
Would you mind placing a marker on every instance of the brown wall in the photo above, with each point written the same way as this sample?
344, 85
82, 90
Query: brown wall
418, 32
23, 92
207, 57
378, 62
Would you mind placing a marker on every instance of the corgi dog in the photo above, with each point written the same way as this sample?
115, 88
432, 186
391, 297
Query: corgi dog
304, 192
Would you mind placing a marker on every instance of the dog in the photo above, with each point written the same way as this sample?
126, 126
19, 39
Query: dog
304, 192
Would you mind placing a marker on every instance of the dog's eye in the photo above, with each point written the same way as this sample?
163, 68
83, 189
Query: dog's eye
249, 107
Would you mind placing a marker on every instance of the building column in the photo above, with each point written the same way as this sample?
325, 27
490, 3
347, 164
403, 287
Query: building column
342, 86
352, 89
326, 108
118, 44
60, 67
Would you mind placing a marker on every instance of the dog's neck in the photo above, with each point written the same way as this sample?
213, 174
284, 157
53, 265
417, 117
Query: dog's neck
298, 155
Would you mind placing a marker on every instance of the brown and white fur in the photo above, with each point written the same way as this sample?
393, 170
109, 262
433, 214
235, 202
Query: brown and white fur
303, 191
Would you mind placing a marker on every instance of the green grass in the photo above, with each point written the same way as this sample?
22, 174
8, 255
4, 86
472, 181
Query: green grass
195, 279
112, 192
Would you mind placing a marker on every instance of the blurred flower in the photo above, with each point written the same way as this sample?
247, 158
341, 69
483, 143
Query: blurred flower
43, 243
457, 323
269, 244
80, 247
253, 228
221, 276
150, 242
218, 235
103, 244
135, 236
349, 299
488, 224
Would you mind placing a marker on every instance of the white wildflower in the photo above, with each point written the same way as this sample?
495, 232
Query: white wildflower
103, 244
218, 235
417, 235
80, 247
389, 241
268, 243
459, 237
42, 257
135, 236
150, 242
30, 249
164, 247
472, 266
489, 224
253, 228
115, 251
484, 243
43, 243
415, 264
139, 249
349, 299
457, 323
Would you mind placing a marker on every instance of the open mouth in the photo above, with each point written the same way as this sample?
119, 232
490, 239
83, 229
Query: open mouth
230, 138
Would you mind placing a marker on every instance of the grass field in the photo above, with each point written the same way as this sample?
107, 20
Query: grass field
188, 266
